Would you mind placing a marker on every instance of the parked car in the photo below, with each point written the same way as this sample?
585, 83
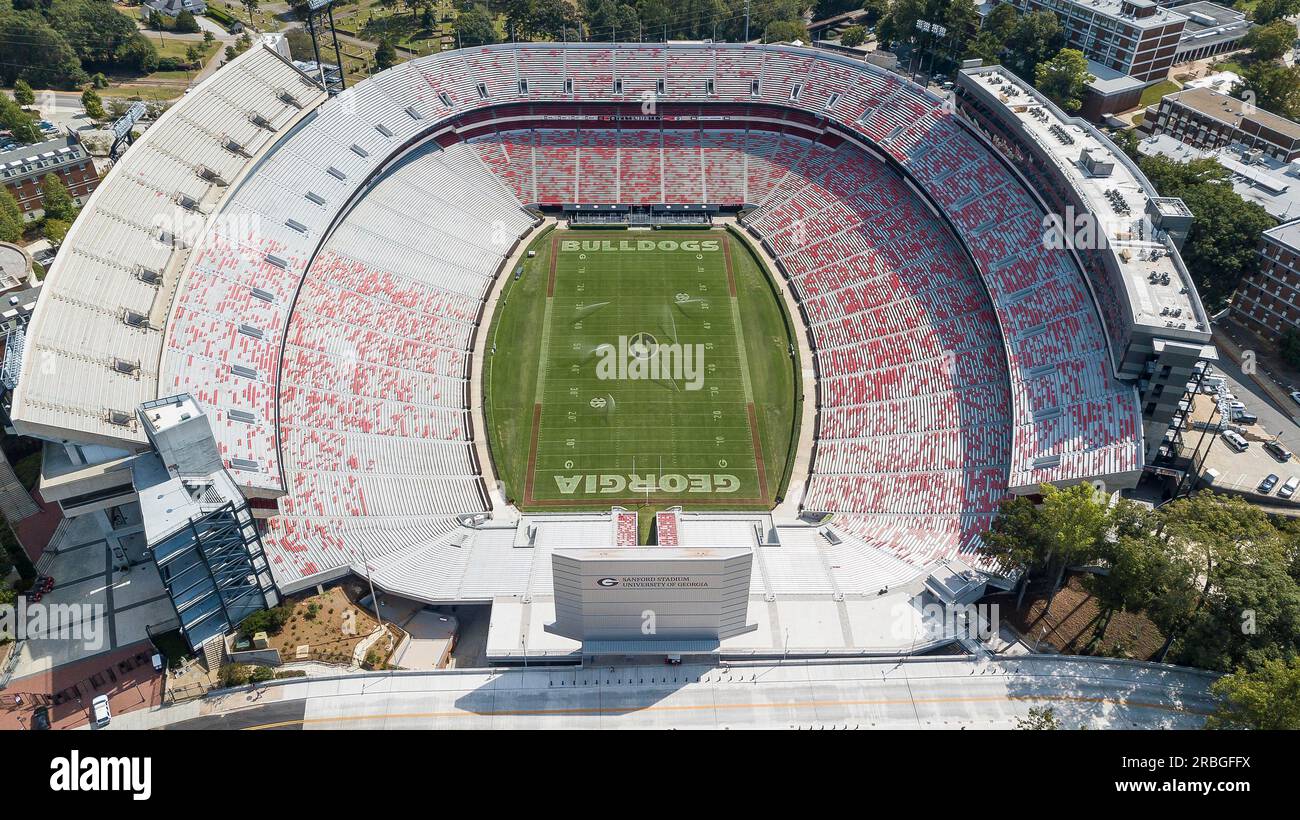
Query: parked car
1235, 440
1289, 488
1295, 396
1277, 451
100, 712
1266, 486
1244, 417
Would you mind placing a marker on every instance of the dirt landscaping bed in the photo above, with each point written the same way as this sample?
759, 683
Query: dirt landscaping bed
331, 626
1074, 621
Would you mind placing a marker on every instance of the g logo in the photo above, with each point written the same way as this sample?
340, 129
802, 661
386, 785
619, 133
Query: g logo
607, 582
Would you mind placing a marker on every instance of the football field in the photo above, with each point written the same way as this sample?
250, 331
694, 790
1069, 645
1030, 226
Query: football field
642, 391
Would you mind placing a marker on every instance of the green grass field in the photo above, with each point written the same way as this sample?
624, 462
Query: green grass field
644, 369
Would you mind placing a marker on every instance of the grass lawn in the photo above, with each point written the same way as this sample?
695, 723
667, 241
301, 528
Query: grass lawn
645, 369
1152, 94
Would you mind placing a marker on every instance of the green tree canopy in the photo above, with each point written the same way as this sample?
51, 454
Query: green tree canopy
1268, 698
94, 105
186, 24
385, 55
23, 94
1034, 38
11, 219
474, 26
1271, 41
1068, 527
853, 36
14, 119
56, 200
1221, 247
1064, 78
1275, 88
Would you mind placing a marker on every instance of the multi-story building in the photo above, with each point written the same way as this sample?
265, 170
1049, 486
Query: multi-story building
1268, 302
1134, 37
1211, 29
1209, 119
22, 169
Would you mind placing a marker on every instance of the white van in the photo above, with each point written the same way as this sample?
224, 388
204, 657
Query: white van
99, 709
1235, 441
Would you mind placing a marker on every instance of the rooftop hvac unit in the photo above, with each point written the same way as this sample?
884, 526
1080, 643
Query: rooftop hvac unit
119, 418
148, 275
187, 202
236, 148
385, 130
261, 122
126, 368
209, 175
289, 99
135, 318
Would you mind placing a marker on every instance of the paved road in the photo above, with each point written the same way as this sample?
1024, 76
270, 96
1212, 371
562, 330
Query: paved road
927, 693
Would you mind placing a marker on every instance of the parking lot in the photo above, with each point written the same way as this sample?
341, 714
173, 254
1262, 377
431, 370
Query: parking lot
1242, 472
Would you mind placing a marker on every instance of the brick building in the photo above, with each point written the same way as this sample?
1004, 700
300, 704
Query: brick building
1269, 302
22, 169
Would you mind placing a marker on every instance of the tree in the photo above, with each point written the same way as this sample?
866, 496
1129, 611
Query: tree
1275, 88
56, 200
385, 55
1142, 574
1221, 247
1289, 347
45, 61
1237, 557
1069, 527
155, 20
1041, 718
23, 94
1033, 38
1271, 41
17, 121
11, 221
785, 31
876, 10
1001, 22
985, 46
1266, 11
474, 26
1266, 699
853, 36
186, 24
90, 100
961, 21
251, 7
55, 230
1064, 78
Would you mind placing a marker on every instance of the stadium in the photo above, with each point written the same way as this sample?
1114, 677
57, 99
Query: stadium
763, 315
